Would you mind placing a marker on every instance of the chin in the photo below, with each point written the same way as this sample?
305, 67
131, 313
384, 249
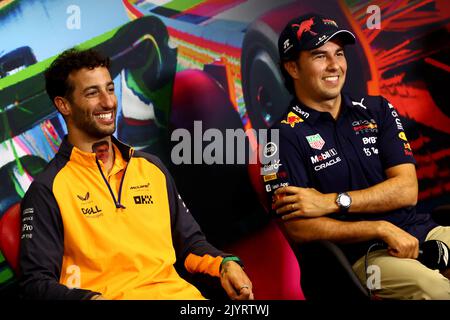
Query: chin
331, 95
100, 134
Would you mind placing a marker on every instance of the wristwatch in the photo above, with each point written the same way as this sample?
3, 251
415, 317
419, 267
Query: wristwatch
343, 201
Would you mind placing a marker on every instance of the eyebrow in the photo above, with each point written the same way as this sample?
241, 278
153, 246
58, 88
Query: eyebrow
318, 51
96, 86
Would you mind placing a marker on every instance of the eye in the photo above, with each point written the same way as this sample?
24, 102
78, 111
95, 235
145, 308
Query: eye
91, 93
111, 89
340, 53
320, 56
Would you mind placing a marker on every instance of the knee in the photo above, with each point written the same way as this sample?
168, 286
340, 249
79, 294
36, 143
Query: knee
432, 286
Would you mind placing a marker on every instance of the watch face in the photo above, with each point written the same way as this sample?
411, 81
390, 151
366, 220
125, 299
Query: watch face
345, 200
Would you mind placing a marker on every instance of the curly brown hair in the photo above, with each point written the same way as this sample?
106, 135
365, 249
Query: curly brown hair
57, 74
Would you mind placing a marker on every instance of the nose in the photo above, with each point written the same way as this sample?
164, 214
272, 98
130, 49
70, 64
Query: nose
333, 64
108, 99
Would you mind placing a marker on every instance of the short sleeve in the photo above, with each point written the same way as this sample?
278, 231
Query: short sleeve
393, 144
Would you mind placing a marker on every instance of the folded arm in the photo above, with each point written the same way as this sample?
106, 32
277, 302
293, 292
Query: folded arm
399, 190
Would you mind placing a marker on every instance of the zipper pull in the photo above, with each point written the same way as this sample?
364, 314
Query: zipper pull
119, 205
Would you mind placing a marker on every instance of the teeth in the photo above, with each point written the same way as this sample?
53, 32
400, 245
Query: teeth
105, 116
331, 78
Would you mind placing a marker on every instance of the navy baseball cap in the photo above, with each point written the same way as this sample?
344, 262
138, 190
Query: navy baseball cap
308, 32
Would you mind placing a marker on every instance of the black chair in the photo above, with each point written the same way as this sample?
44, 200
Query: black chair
441, 215
326, 274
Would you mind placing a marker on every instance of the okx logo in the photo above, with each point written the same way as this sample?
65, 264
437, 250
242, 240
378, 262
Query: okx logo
143, 199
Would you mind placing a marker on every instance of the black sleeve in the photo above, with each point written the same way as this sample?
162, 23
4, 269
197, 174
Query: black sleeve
187, 237
186, 233
42, 248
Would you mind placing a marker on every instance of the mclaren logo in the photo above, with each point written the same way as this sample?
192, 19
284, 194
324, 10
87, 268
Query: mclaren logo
85, 198
143, 199
142, 186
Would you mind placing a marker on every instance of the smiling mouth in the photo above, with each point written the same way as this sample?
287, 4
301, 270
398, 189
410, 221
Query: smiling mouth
104, 116
331, 79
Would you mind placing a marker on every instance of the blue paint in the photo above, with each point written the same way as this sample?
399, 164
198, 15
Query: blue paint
42, 25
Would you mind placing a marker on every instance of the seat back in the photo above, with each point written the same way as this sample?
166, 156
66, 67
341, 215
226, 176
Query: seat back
10, 236
441, 215
326, 274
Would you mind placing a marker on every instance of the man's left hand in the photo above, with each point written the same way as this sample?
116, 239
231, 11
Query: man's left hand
236, 282
296, 202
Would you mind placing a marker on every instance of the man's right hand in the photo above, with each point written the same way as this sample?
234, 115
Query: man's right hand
400, 243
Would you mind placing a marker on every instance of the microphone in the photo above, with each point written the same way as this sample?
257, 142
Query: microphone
434, 254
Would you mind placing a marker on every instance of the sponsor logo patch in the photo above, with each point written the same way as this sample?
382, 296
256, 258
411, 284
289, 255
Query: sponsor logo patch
402, 136
323, 156
327, 164
315, 141
142, 186
292, 119
85, 198
364, 126
270, 177
143, 199
303, 113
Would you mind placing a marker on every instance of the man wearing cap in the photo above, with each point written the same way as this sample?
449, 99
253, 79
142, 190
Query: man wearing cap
347, 171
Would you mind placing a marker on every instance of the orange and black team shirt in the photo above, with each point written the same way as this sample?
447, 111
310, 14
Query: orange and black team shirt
346, 154
119, 234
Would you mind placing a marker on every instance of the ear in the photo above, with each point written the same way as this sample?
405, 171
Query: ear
292, 68
63, 105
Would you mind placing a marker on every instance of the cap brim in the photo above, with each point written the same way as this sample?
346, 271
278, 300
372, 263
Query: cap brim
347, 36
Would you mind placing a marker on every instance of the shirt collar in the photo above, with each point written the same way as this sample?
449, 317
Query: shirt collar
88, 158
311, 115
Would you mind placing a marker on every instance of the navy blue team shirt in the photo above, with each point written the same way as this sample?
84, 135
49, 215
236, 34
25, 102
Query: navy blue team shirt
346, 154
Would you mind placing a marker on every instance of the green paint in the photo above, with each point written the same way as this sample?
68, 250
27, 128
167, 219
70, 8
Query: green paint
17, 185
40, 67
11, 142
6, 274
182, 5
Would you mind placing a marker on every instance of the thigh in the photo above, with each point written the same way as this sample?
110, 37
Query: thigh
402, 278
440, 233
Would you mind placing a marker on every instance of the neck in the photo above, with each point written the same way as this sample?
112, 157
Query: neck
84, 143
333, 106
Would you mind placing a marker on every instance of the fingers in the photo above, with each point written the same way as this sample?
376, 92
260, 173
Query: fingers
287, 208
236, 283
280, 202
229, 289
288, 189
242, 292
405, 248
295, 214
245, 293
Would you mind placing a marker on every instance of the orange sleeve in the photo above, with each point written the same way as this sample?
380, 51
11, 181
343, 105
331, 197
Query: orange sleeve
203, 264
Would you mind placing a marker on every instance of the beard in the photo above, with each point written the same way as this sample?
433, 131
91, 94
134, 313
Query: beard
86, 122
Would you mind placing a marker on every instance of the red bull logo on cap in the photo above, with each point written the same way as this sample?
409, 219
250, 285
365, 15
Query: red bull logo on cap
305, 26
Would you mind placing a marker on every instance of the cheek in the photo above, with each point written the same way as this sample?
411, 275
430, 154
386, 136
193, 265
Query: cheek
344, 65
